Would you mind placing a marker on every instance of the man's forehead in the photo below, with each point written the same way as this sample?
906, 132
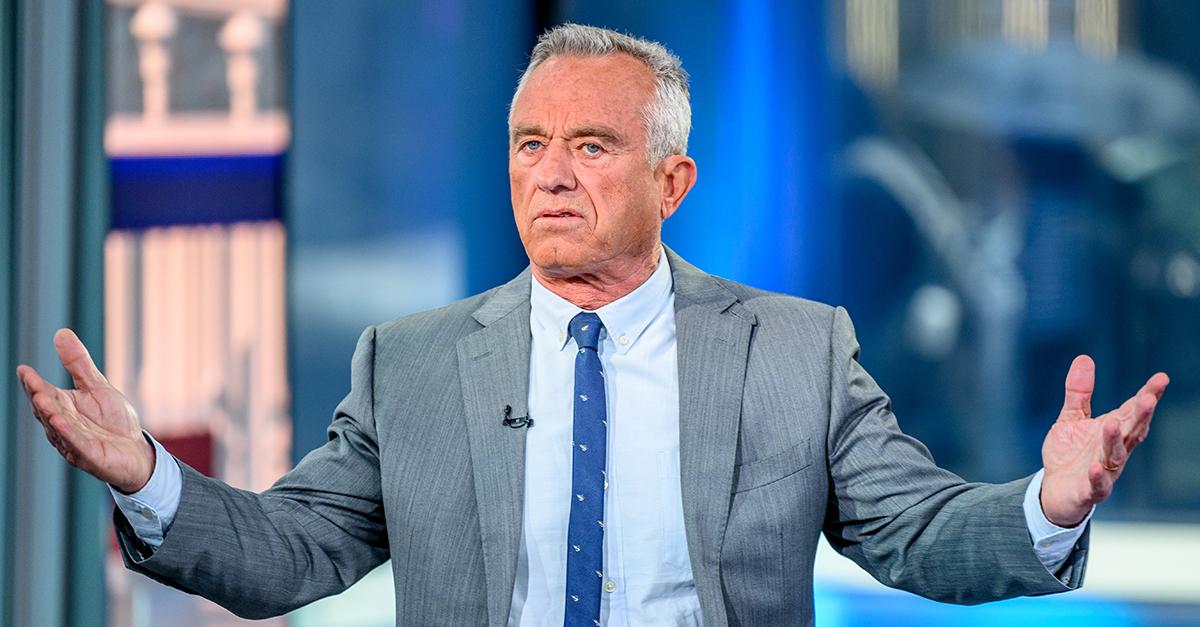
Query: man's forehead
583, 96
598, 72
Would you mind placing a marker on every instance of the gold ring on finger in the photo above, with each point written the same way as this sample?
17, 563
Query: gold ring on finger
1111, 467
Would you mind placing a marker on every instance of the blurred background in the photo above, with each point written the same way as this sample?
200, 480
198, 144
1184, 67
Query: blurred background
220, 194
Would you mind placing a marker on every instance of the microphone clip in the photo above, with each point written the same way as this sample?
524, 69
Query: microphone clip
518, 422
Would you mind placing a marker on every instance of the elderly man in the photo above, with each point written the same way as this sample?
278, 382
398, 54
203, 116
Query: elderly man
613, 437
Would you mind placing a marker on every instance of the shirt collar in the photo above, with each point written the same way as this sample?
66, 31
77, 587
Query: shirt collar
625, 319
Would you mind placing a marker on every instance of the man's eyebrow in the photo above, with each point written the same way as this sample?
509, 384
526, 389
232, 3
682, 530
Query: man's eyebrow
602, 132
522, 131
598, 130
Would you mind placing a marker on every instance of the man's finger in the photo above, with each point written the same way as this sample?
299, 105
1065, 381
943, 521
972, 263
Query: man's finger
32, 382
1137, 427
1156, 385
44, 406
1115, 453
1153, 387
1081, 380
73, 442
49, 412
21, 379
1101, 482
25, 388
55, 440
75, 358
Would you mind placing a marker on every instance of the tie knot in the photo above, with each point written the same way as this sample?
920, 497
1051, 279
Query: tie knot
585, 328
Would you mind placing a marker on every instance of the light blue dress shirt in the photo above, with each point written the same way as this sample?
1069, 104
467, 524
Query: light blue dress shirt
648, 574
648, 577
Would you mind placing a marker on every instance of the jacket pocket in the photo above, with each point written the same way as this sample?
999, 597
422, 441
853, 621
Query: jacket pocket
768, 470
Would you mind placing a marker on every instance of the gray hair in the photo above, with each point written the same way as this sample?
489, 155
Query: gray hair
668, 116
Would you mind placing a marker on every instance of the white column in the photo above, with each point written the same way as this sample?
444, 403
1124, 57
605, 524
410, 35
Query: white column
241, 37
153, 24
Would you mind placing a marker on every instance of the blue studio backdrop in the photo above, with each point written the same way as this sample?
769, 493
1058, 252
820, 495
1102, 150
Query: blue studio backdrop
398, 191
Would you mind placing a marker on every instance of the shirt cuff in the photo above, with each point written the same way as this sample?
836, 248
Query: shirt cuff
1051, 543
151, 510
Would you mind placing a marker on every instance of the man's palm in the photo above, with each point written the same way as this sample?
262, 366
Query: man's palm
93, 426
1084, 456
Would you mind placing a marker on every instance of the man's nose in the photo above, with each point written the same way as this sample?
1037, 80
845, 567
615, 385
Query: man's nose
555, 173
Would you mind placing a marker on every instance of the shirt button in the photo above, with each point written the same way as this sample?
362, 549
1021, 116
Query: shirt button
624, 340
610, 586
147, 514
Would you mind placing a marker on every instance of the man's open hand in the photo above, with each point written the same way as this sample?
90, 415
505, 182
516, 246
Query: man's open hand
93, 426
1082, 455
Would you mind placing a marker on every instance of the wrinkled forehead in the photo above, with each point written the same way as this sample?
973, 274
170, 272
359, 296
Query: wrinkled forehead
612, 89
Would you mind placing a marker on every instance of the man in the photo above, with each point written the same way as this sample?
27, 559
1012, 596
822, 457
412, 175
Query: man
611, 438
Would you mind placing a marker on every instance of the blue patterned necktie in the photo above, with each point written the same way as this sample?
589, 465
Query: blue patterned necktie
585, 533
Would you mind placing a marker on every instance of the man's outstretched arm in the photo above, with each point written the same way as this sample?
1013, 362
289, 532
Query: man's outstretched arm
314, 533
921, 528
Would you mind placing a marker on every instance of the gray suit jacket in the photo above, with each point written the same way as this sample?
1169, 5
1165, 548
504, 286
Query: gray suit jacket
783, 436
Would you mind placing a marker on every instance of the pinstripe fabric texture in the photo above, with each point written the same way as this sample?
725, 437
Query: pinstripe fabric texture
783, 436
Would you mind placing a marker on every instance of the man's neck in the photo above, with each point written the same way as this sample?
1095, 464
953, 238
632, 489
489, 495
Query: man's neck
592, 291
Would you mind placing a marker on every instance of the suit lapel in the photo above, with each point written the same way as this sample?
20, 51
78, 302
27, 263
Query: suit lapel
712, 338
712, 334
493, 365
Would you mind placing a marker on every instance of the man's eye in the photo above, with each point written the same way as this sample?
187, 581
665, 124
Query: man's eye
592, 149
532, 145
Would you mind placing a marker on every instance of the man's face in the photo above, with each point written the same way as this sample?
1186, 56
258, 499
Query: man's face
584, 195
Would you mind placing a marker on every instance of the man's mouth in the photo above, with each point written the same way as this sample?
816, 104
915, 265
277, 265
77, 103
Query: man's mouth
558, 214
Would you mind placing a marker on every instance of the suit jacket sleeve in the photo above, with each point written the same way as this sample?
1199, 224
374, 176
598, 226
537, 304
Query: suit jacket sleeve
911, 524
315, 532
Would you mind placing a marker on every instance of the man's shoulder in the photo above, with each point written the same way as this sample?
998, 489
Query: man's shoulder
769, 307
788, 327
448, 322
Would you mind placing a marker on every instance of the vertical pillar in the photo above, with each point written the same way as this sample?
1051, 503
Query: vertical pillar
43, 242
10, 394
241, 37
52, 218
152, 26
89, 506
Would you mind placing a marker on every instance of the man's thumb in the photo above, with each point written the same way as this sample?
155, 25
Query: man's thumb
75, 358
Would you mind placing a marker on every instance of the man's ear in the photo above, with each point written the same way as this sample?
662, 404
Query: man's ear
676, 176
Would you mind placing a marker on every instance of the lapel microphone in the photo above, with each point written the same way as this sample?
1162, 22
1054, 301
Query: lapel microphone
518, 422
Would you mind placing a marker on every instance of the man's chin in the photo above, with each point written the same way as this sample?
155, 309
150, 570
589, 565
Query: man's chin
559, 260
